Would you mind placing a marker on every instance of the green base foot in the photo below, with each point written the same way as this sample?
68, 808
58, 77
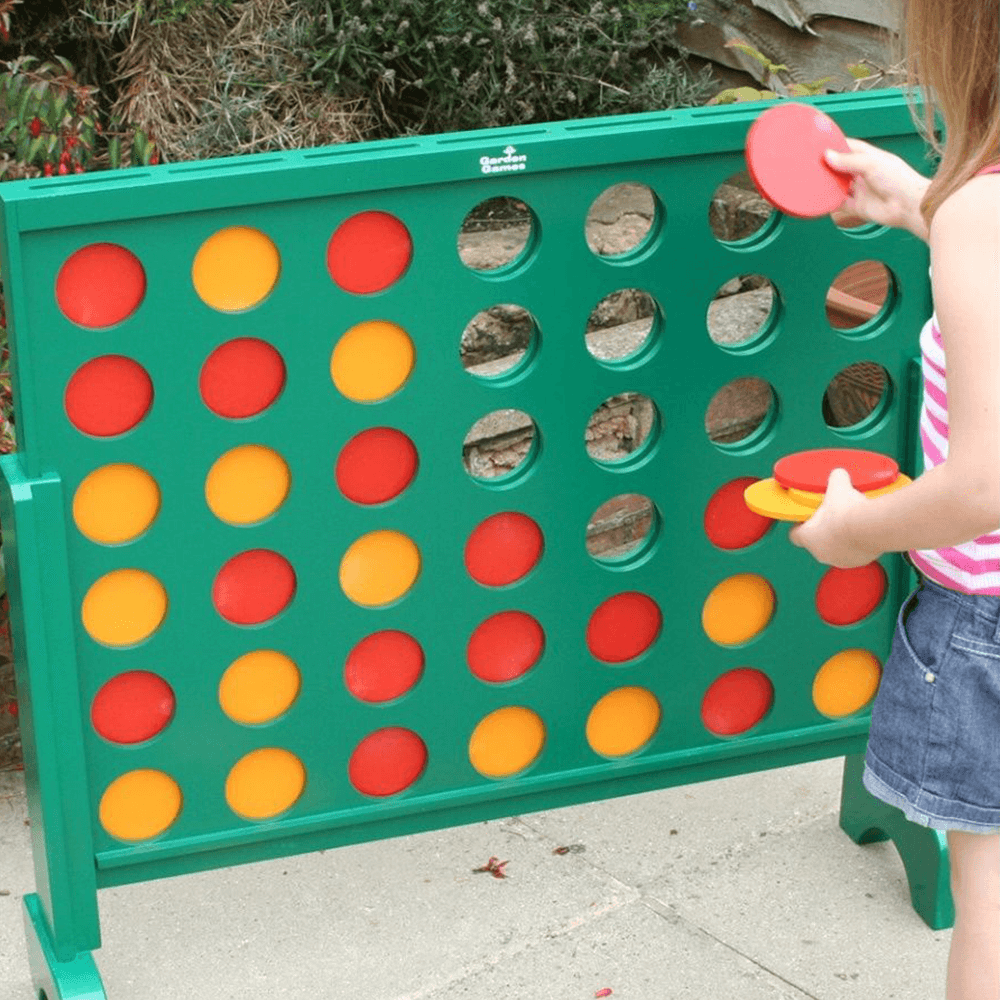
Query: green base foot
924, 852
75, 979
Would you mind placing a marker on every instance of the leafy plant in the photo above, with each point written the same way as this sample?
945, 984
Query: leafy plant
51, 124
446, 65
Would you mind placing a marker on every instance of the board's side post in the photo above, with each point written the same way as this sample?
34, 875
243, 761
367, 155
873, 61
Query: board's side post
864, 818
61, 920
924, 852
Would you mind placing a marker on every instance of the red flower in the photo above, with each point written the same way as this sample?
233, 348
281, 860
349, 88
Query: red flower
35, 127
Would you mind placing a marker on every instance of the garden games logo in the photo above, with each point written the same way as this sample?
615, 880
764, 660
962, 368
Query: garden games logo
510, 161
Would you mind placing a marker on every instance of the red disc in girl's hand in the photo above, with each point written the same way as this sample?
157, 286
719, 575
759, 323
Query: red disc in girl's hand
784, 152
810, 470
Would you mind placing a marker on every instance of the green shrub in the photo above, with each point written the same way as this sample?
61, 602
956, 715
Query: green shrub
449, 65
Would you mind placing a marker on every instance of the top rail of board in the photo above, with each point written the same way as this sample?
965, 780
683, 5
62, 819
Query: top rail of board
40, 204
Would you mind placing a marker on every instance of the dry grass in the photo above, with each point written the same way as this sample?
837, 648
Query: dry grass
225, 80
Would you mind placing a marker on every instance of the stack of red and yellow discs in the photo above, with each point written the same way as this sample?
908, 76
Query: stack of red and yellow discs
799, 482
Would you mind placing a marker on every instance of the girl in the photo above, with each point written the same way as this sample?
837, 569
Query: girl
934, 748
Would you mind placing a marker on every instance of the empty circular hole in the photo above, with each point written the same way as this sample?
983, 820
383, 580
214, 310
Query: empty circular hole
496, 234
622, 529
742, 311
623, 326
622, 430
741, 413
738, 213
498, 342
621, 220
859, 295
499, 446
857, 397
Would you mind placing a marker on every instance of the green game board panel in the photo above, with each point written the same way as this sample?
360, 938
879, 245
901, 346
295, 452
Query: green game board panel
172, 333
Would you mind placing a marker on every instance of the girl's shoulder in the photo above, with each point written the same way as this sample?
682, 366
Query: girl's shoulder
975, 204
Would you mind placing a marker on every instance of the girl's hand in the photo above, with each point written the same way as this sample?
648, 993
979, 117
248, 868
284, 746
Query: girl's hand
825, 535
886, 189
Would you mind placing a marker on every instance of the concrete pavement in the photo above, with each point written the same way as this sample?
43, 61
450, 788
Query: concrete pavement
742, 888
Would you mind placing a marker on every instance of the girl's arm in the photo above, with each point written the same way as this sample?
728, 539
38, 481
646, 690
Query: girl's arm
960, 499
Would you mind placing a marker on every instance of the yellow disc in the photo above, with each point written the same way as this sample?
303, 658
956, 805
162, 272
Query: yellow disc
371, 361
770, 499
124, 607
379, 568
258, 687
737, 609
506, 741
846, 683
140, 804
247, 484
235, 269
264, 783
805, 497
623, 721
116, 503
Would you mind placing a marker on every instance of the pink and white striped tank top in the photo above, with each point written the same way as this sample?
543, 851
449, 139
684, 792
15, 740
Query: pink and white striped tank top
972, 567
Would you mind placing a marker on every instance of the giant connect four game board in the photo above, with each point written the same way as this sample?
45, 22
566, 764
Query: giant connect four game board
260, 604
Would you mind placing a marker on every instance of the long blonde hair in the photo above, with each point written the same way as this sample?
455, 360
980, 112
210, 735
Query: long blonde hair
953, 57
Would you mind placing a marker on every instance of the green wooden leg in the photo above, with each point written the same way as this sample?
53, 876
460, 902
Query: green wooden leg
77, 979
924, 852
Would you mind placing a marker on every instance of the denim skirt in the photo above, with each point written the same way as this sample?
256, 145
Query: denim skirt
934, 746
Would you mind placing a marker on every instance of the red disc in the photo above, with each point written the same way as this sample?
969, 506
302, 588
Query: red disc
846, 596
505, 646
108, 396
387, 761
729, 522
623, 627
100, 285
376, 465
383, 666
253, 587
132, 707
784, 152
810, 470
369, 252
502, 549
241, 378
736, 701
